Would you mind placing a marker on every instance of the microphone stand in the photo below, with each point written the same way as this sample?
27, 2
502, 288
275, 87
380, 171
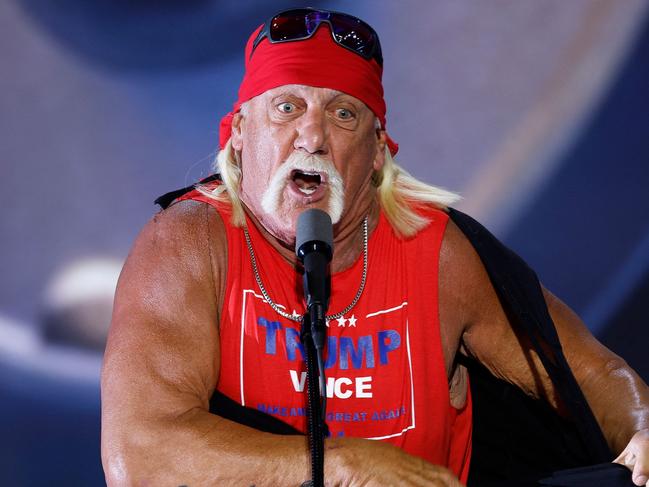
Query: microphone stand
316, 394
314, 248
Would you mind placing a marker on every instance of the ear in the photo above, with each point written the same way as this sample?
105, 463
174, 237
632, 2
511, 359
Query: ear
379, 159
237, 138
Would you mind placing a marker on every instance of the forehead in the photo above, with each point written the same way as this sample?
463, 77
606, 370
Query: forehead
309, 93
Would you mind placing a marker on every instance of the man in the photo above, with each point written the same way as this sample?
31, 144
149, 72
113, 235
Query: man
209, 299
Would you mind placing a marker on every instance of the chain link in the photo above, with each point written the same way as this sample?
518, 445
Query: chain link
298, 318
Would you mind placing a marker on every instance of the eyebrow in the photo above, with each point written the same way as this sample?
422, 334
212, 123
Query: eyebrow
288, 93
347, 97
292, 92
284, 94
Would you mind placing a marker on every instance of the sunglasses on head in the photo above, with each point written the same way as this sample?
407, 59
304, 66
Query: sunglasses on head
302, 23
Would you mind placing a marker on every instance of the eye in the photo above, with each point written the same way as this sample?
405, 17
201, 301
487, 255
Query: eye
344, 114
286, 107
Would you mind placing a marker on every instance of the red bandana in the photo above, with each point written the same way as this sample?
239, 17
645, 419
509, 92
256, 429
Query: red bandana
317, 61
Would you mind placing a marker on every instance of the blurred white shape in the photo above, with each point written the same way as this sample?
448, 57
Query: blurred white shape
64, 350
78, 303
85, 280
16, 338
26, 357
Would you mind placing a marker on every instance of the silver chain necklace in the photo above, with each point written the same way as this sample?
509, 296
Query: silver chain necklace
298, 318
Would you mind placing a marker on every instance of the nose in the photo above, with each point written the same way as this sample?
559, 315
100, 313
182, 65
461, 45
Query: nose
312, 133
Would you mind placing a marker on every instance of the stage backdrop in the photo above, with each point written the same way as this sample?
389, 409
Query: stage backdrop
534, 110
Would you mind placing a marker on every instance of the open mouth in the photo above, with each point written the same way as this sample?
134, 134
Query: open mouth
305, 181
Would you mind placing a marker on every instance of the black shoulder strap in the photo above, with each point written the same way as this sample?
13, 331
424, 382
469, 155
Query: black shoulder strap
166, 199
520, 292
229, 409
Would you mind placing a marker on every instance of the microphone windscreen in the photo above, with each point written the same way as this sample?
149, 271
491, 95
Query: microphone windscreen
313, 224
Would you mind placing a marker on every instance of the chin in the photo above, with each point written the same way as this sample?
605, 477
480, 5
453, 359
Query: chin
282, 227
281, 209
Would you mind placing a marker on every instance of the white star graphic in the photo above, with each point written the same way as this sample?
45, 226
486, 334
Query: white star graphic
341, 322
352, 321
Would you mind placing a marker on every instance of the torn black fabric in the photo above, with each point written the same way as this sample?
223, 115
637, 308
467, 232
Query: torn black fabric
516, 437
521, 295
166, 199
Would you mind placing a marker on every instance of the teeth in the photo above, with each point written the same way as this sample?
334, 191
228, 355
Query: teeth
307, 191
297, 172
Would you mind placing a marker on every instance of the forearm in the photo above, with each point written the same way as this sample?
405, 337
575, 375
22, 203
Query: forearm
200, 448
619, 399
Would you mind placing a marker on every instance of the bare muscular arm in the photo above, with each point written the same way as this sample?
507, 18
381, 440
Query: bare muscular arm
616, 394
162, 365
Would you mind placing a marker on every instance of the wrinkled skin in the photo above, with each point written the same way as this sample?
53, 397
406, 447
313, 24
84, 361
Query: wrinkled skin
163, 358
635, 457
319, 121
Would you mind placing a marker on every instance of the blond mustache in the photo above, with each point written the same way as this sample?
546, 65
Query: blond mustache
274, 196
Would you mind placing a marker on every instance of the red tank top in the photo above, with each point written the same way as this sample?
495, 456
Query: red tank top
386, 378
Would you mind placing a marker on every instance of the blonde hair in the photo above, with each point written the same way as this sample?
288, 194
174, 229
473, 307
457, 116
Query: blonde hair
400, 194
227, 164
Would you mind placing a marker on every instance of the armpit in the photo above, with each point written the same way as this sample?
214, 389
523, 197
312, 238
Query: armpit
457, 387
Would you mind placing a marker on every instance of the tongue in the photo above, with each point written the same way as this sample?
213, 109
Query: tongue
306, 181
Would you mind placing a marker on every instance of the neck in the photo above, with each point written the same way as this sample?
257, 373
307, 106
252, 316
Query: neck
348, 237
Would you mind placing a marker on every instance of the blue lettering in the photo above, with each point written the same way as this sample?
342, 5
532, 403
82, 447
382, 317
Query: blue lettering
292, 343
389, 340
271, 333
387, 414
297, 412
365, 347
331, 352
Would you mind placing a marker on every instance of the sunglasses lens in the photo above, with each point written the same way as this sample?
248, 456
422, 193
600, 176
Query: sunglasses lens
299, 24
354, 34
288, 26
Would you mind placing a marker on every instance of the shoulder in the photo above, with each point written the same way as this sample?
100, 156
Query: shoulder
466, 292
184, 220
457, 256
186, 229
180, 250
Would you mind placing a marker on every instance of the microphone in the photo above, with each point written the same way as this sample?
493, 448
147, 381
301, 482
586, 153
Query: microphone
314, 247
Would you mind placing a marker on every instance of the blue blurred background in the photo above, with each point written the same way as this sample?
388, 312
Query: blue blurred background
536, 111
